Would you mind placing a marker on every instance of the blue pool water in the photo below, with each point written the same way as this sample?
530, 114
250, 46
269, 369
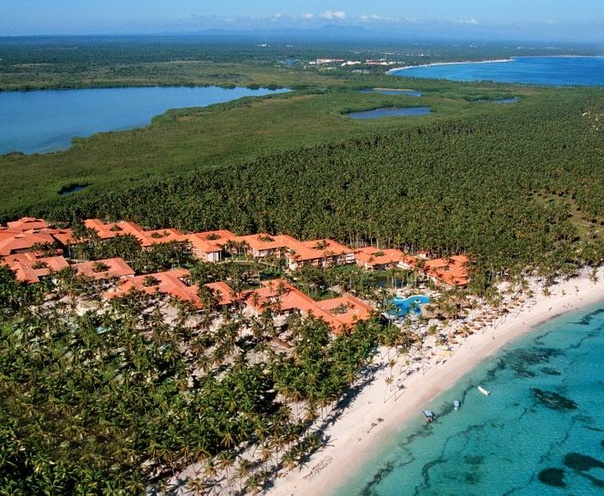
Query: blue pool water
548, 71
541, 430
389, 112
405, 305
43, 121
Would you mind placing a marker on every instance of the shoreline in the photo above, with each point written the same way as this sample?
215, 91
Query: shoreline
494, 61
376, 414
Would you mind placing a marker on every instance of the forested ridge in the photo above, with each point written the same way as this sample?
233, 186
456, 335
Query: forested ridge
515, 189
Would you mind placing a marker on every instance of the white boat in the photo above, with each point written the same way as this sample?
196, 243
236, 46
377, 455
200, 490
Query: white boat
483, 391
456, 405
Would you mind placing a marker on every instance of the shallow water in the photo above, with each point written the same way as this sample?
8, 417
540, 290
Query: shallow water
548, 71
540, 431
46, 120
389, 112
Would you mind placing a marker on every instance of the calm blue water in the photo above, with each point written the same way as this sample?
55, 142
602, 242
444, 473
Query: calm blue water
548, 71
541, 430
43, 121
389, 112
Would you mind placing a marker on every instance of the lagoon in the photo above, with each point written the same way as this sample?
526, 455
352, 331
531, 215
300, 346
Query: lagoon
546, 71
47, 120
389, 112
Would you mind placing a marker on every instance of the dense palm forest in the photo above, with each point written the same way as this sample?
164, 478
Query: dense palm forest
124, 395
517, 190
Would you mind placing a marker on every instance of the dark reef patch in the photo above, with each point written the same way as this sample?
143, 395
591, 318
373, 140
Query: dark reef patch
553, 400
550, 371
473, 460
582, 463
589, 317
552, 477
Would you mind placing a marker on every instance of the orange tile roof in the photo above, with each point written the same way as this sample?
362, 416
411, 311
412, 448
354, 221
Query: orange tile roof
371, 256
146, 238
116, 267
161, 236
264, 242
63, 236
168, 282
15, 241
293, 299
223, 291
346, 310
29, 268
210, 241
171, 283
27, 224
327, 247
452, 271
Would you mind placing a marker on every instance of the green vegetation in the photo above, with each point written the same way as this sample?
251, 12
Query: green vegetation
193, 140
468, 183
126, 394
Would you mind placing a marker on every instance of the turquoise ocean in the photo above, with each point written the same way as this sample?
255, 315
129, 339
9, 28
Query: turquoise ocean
540, 431
547, 71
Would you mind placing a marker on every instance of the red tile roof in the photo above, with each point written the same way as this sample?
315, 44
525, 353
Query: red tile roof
210, 241
264, 242
452, 271
371, 256
171, 283
290, 298
27, 224
15, 241
115, 267
29, 268
346, 310
146, 238
223, 291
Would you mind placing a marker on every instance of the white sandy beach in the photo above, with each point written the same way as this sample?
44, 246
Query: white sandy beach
380, 410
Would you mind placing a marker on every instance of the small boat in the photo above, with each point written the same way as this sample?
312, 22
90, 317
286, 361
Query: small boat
483, 391
429, 416
456, 405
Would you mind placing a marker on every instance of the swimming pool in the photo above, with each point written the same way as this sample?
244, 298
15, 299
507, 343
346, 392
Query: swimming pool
402, 306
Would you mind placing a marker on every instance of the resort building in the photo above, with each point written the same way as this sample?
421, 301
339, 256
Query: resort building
172, 282
13, 241
28, 224
104, 269
451, 271
339, 313
264, 245
146, 238
372, 258
320, 253
20, 237
30, 269
210, 246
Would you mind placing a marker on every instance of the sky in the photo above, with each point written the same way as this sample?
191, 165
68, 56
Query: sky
565, 19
